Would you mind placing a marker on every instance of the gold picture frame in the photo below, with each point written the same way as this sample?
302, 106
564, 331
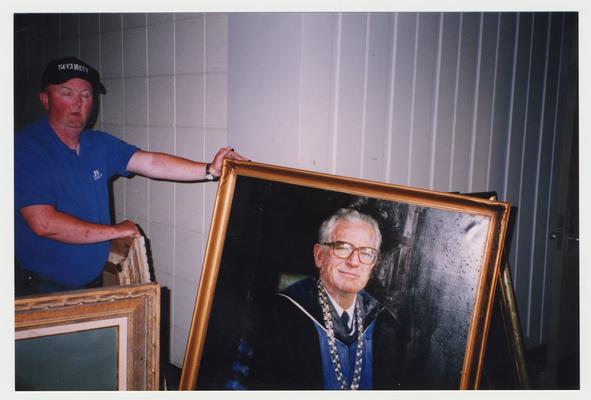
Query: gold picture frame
259, 207
505, 365
111, 338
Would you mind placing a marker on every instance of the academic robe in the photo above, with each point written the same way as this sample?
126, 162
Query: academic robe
288, 353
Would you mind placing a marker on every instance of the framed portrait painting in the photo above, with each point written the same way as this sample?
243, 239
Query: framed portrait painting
93, 339
263, 316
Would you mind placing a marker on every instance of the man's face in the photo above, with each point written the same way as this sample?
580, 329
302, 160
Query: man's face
68, 104
349, 275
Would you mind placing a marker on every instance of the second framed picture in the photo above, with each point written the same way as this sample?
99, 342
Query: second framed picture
101, 339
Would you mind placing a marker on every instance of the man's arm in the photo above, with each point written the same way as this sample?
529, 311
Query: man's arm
48, 222
169, 167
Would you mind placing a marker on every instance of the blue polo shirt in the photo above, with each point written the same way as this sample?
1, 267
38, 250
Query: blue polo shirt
46, 171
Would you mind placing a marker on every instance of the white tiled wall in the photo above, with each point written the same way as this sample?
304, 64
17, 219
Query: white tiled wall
167, 80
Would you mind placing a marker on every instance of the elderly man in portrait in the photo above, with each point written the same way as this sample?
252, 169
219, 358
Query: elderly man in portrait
328, 332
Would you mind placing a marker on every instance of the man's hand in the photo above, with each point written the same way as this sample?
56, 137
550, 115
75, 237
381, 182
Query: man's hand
218, 160
127, 228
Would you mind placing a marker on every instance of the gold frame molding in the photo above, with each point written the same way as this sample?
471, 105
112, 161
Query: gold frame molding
509, 317
135, 309
498, 212
512, 326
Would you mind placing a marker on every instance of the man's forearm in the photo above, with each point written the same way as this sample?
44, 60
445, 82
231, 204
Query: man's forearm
47, 222
166, 166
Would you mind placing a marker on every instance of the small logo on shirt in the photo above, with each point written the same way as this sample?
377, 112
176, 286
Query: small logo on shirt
96, 174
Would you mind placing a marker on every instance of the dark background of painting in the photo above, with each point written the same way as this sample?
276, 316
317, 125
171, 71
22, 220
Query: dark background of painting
426, 277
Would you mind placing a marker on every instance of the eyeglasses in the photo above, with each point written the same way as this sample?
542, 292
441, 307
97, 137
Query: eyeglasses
367, 255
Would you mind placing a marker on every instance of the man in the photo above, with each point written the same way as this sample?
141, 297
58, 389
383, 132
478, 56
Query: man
62, 169
329, 333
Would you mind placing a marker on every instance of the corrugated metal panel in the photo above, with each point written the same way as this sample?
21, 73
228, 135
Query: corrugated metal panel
446, 101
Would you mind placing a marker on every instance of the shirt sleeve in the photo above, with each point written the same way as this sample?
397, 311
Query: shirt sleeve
33, 182
118, 153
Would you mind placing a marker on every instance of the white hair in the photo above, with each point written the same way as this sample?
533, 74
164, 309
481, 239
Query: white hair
347, 214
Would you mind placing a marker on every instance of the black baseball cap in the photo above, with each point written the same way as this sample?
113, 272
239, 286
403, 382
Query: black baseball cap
63, 69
